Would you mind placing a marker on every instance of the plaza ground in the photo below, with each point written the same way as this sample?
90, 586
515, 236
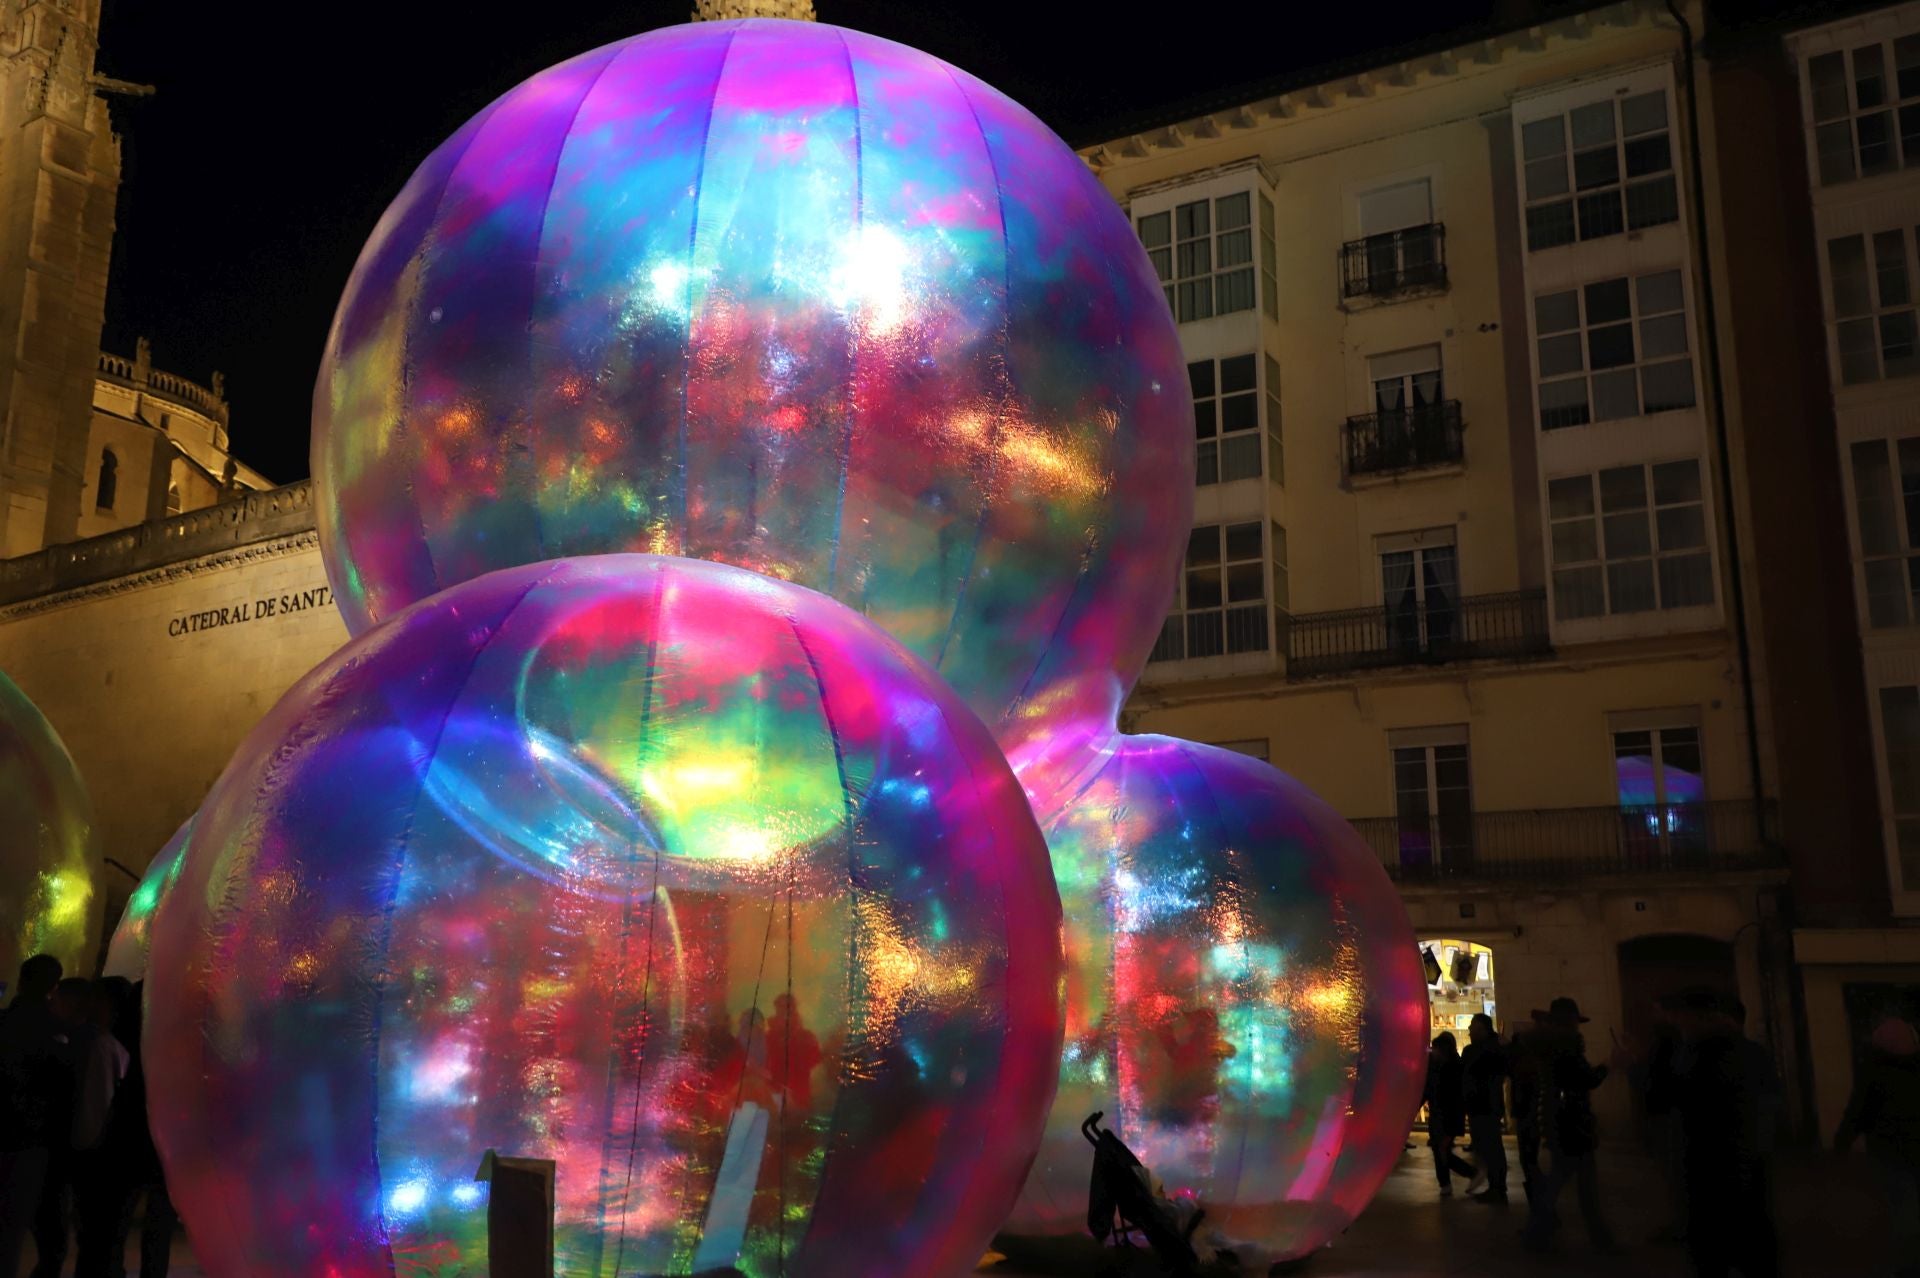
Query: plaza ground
1829, 1222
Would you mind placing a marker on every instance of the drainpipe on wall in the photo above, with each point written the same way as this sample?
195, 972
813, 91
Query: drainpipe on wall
1716, 391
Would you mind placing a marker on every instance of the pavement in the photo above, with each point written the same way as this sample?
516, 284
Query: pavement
1827, 1208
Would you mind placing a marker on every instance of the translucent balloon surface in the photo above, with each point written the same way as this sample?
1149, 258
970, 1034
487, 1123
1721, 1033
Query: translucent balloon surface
783, 296
1244, 1000
692, 881
127, 951
47, 903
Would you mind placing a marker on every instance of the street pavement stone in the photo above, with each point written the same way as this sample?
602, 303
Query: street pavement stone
1830, 1223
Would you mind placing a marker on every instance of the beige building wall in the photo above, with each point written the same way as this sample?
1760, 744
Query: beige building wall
1538, 723
152, 688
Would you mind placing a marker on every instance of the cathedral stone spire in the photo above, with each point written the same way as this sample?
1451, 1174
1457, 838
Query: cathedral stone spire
714, 10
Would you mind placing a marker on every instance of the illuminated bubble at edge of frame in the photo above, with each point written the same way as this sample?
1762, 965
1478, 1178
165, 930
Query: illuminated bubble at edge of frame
49, 901
1227, 876
936, 377
208, 1103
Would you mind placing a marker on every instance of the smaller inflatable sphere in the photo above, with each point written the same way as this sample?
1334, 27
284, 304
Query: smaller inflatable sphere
1244, 999
47, 851
127, 951
689, 880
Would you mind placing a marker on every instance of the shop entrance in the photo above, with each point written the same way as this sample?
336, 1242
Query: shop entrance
1653, 967
1459, 985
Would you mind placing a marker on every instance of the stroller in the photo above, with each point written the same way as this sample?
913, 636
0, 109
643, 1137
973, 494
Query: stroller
1121, 1187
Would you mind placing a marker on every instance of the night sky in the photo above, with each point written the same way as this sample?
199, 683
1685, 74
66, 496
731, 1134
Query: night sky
272, 146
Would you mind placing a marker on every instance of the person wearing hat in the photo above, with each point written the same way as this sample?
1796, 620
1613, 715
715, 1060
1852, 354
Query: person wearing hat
1567, 1127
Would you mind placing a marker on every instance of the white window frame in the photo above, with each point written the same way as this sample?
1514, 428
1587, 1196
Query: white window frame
1646, 316
1429, 742
1902, 560
1646, 199
1242, 444
1180, 617
1884, 325
1898, 112
1189, 259
1894, 817
1657, 553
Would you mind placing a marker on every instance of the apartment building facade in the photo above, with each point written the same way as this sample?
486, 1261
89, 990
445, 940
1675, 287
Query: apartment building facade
1467, 554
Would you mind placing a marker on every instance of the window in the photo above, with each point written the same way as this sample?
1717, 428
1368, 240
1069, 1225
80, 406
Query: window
1615, 552
1661, 784
1900, 740
1615, 348
1873, 311
1864, 122
1432, 802
1282, 589
1406, 381
1420, 590
1399, 246
107, 486
1276, 451
1221, 604
1203, 254
1226, 415
1598, 170
1269, 263
1889, 527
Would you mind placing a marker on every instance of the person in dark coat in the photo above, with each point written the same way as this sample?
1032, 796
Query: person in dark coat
1566, 1080
33, 1077
1722, 1096
1446, 1112
1885, 1109
1523, 1069
1483, 1071
73, 1034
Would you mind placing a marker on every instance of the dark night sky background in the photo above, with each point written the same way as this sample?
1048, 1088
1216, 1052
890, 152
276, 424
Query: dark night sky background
279, 134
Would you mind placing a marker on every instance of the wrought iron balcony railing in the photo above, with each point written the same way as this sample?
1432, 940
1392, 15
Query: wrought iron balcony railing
1572, 843
1434, 630
1212, 632
1396, 262
1405, 439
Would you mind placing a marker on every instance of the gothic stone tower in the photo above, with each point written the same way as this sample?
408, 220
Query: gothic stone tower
59, 173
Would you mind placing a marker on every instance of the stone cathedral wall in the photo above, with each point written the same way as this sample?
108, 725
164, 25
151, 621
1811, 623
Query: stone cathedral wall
153, 652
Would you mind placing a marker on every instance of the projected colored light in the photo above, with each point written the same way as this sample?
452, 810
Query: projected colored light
597, 860
47, 902
782, 296
1243, 996
127, 951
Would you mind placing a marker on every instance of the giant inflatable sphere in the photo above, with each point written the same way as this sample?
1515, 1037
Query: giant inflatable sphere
783, 296
127, 951
1245, 1001
47, 903
691, 881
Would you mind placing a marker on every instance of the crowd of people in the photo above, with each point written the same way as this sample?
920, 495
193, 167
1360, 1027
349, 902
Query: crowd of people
1711, 1097
76, 1159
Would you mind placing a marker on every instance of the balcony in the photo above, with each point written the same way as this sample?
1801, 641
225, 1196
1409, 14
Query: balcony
1405, 261
1405, 439
1562, 844
1508, 626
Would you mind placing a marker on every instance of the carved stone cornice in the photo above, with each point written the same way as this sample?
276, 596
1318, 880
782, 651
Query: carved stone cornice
166, 574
